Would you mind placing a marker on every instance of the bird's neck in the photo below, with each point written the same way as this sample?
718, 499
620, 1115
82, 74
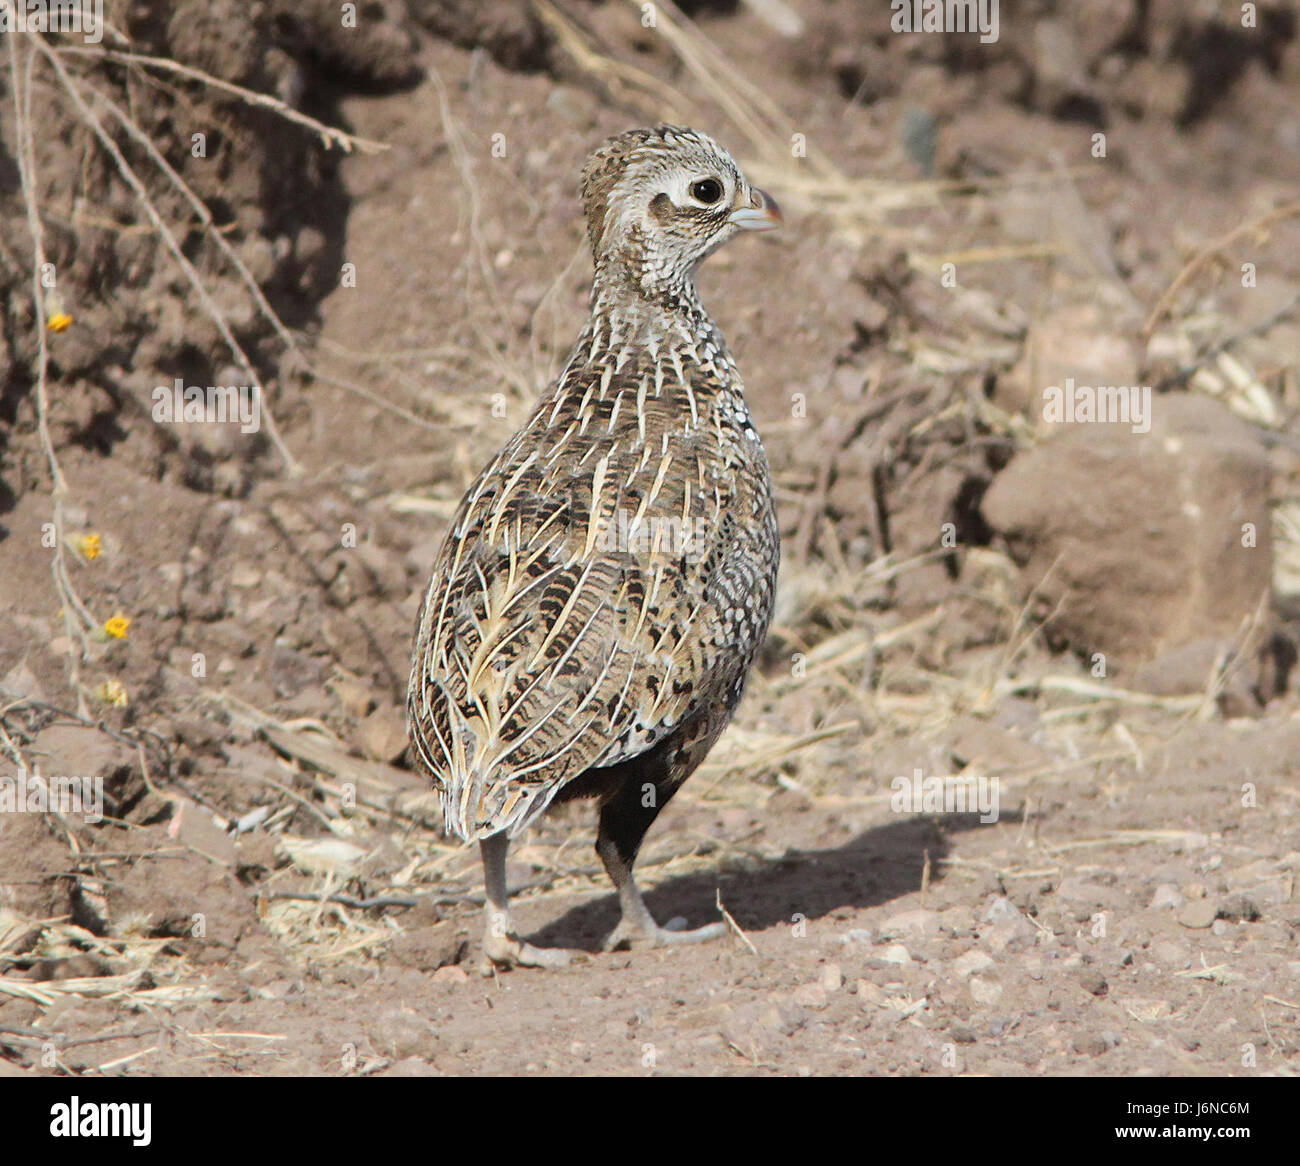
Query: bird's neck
631, 311
644, 288
635, 344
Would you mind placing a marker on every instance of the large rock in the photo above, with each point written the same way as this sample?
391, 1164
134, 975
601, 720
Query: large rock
1147, 541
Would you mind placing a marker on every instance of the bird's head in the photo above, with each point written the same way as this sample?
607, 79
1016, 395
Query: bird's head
658, 201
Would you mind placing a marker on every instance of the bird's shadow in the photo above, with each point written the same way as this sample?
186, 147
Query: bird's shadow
879, 865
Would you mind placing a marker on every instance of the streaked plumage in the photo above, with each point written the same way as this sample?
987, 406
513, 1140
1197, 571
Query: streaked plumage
609, 577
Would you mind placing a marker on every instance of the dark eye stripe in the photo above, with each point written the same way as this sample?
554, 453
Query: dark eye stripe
661, 207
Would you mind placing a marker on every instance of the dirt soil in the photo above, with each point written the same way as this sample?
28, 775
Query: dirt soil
269, 891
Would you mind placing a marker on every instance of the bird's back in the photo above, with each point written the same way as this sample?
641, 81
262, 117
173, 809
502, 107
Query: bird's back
608, 576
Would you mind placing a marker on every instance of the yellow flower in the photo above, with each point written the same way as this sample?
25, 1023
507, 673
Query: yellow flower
112, 693
58, 322
89, 545
116, 627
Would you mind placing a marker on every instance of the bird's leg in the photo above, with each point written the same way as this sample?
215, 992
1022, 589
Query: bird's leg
623, 823
500, 943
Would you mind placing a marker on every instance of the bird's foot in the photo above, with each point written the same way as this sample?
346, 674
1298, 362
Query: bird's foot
509, 951
637, 933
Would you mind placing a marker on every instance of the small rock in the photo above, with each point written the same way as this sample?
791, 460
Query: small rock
382, 735
1002, 910
1197, 914
1077, 890
1093, 982
971, 962
244, 576
1158, 503
194, 826
831, 979
789, 1019
1006, 925
1167, 895
917, 923
323, 855
987, 992
451, 974
1238, 909
896, 953
872, 993
81, 751
355, 698
402, 1033
811, 996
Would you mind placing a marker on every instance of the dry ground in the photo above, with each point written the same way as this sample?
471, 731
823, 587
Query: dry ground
271, 894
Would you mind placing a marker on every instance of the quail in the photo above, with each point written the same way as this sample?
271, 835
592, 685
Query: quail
610, 575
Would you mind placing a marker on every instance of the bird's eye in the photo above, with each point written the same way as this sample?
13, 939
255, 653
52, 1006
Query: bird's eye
706, 190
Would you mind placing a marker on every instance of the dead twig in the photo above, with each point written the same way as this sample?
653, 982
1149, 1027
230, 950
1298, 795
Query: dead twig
328, 134
129, 176
1206, 253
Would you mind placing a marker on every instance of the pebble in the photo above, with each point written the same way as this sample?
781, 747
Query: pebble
785, 1021
970, 962
1238, 909
1197, 914
918, 922
1091, 1045
355, 698
1167, 895
1093, 982
812, 996
896, 953
1002, 910
985, 991
871, 992
382, 735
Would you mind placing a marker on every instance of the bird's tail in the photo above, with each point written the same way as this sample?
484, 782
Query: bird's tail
477, 807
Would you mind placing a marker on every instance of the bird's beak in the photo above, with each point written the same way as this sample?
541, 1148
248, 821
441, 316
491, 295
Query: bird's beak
761, 215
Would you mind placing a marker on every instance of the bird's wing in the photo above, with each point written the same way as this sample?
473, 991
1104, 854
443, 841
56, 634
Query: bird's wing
558, 633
